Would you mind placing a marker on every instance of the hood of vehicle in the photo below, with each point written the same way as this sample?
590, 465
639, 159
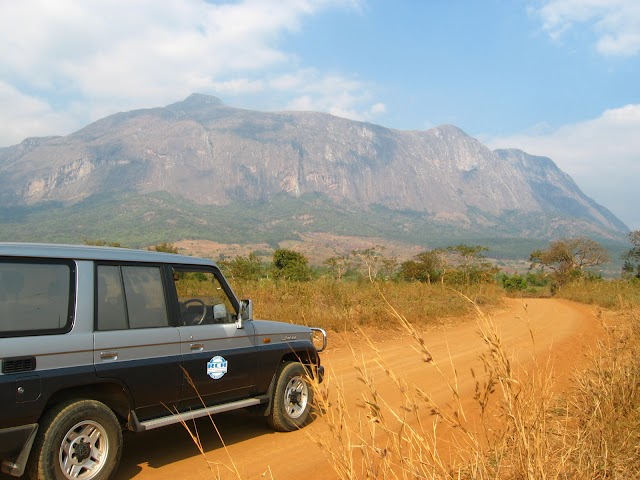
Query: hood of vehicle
271, 328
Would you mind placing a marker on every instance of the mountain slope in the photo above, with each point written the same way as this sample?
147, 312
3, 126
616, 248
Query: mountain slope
211, 154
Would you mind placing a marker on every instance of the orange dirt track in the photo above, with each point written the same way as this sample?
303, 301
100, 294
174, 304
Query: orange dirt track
561, 330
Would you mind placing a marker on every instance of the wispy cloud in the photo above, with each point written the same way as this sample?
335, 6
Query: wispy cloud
601, 154
78, 61
329, 93
616, 23
23, 116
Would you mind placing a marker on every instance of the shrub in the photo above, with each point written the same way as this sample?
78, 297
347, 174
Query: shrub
244, 268
290, 265
165, 247
513, 283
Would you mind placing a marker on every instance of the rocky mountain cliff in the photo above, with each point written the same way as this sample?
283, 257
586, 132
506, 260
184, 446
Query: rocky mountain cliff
212, 154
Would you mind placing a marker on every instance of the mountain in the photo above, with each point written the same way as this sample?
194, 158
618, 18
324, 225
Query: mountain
213, 159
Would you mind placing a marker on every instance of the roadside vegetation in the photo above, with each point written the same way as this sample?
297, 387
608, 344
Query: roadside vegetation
344, 293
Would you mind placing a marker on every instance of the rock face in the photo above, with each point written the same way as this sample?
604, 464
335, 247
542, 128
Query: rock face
213, 154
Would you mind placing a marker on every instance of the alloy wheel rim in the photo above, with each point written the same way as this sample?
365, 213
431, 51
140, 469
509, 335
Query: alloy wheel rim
84, 451
296, 396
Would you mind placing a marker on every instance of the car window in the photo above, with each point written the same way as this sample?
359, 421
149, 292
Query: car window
35, 297
130, 297
202, 298
110, 303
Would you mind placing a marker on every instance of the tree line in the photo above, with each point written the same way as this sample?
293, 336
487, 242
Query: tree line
563, 261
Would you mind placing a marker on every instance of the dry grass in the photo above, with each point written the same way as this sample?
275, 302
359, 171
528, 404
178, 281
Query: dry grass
348, 306
215, 467
614, 294
501, 433
513, 427
606, 406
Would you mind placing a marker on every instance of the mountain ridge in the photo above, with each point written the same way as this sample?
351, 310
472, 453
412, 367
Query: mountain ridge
212, 154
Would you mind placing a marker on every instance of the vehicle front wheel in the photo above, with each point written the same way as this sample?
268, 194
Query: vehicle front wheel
77, 440
292, 398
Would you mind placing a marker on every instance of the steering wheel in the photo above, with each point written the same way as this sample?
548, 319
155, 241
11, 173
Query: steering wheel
196, 301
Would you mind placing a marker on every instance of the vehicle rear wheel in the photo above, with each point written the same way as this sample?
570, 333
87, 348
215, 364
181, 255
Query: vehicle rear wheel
77, 440
292, 398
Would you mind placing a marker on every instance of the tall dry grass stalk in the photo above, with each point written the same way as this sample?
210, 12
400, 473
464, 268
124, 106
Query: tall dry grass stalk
215, 467
505, 429
606, 406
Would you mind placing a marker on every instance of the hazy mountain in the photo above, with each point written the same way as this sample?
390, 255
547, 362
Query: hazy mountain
210, 154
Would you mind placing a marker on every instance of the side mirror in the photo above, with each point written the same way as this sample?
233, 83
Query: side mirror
246, 312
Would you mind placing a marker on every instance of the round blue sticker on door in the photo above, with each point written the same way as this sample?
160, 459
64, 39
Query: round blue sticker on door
217, 367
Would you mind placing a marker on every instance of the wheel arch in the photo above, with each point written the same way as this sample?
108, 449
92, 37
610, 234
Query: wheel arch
112, 394
306, 357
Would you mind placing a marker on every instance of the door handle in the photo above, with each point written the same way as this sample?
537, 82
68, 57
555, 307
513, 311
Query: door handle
197, 347
109, 355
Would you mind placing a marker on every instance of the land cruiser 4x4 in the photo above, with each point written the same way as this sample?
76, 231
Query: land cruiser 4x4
95, 340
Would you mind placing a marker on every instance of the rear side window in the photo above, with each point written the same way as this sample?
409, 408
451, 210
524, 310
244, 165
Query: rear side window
130, 297
35, 297
112, 313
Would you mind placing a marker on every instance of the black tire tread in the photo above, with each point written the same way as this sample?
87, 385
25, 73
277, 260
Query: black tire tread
38, 466
277, 418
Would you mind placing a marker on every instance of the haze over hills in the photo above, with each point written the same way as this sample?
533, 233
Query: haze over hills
270, 175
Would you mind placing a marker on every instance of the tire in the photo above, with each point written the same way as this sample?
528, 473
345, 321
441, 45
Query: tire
292, 398
79, 440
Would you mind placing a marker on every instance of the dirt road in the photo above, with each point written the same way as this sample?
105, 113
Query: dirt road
560, 330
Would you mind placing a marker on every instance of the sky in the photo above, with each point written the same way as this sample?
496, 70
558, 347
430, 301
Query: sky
557, 78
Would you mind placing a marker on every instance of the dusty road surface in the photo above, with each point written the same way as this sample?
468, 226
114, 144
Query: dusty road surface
560, 329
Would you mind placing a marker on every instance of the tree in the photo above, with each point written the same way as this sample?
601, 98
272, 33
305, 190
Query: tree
290, 265
466, 265
569, 258
339, 265
631, 267
513, 283
425, 267
245, 268
374, 263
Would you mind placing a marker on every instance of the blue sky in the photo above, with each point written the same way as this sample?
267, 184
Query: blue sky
559, 78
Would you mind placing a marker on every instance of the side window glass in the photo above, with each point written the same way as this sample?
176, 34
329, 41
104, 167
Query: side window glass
144, 294
111, 309
34, 297
203, 300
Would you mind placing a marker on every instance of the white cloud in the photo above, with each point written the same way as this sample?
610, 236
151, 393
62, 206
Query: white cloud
378, 108
308, 89
602, 155
22, 116
334, 94
83, 60
616, 23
